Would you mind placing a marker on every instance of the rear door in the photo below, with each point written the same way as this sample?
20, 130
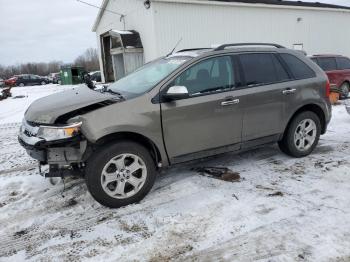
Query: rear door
305, 87
210, 120
262, 98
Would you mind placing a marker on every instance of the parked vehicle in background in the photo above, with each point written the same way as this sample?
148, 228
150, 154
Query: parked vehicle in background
185, 106
5, 92
337, 68
56, 78
29, 80
2, 82
95, 76
11, 81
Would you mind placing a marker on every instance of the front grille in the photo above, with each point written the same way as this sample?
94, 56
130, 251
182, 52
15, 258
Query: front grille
28, 133
29, 130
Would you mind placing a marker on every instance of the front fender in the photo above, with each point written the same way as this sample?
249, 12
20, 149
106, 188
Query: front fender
137, 115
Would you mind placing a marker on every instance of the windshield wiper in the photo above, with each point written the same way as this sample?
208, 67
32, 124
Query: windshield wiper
114, 93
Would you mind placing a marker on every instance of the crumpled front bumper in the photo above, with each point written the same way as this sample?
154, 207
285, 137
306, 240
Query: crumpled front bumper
58, 152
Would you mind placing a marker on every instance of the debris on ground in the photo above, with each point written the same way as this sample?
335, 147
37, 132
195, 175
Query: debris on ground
222, 173
278, 193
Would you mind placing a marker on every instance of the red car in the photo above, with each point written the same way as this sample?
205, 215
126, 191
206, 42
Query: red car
337, 68
11, 81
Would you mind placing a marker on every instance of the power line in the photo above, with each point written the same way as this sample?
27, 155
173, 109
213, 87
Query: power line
103, 9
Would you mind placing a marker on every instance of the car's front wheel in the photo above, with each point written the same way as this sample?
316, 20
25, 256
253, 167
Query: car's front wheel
120, 174
302, 135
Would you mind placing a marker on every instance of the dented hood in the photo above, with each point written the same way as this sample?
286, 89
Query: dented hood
48, 109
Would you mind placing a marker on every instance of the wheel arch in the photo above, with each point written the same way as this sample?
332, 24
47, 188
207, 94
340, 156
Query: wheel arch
313, 108
346, 81
134, 137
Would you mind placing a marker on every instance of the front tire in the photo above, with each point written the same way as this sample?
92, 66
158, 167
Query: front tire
120, 174
345, 89
302, 135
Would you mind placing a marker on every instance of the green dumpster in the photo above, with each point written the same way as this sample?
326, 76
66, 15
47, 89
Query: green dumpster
71, 75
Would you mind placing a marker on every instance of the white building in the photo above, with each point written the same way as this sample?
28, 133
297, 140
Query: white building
159, 24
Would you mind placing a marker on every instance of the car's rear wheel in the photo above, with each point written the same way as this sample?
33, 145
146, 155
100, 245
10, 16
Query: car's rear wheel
43, 83
120, 174
21, 84
345, 89
302, 135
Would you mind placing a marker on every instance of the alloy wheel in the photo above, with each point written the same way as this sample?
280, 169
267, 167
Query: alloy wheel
123, 176
305, 135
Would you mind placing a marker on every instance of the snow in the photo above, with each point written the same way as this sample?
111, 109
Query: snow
186, 216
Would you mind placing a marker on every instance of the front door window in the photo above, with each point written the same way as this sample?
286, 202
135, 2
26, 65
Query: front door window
213, 74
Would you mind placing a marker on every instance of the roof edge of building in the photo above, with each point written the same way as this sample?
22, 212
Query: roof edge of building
247, 3
99, 15
266, 3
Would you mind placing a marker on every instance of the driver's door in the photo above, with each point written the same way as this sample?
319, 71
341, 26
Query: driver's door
209, 121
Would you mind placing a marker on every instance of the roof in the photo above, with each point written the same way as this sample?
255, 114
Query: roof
264, 2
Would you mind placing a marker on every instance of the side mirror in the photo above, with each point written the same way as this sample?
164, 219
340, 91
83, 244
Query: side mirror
175, 93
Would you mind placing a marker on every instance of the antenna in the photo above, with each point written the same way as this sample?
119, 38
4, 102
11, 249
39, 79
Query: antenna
172, 51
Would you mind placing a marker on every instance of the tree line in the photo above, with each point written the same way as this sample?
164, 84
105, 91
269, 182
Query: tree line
88, 60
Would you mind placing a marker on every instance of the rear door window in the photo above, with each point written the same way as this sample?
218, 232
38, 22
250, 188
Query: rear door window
343, 63
262, 69
298, 68
327, 63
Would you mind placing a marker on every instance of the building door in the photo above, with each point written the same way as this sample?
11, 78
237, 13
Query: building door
107, 59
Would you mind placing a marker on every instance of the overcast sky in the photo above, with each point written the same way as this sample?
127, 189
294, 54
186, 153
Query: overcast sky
45, 30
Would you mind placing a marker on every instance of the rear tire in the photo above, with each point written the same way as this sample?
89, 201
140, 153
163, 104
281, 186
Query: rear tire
302, 135
120, 174
43, 83
345, 89
21, 84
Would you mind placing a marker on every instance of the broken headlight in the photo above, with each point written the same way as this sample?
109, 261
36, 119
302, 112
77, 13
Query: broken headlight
51, 133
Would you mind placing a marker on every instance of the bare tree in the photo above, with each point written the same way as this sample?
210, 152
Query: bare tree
88, 60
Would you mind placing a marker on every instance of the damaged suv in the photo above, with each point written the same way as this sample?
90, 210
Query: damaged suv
188, 105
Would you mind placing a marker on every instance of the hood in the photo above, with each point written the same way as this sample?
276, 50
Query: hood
67, 104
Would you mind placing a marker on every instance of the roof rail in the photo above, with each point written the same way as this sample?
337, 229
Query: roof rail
193, 49
222, 47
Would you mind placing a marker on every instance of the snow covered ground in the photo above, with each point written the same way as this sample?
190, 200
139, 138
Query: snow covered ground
283, 209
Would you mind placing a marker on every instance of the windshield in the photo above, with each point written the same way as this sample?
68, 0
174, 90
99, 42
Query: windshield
147, 76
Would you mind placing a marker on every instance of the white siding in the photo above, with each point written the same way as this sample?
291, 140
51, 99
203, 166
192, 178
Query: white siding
137, 18
201, 25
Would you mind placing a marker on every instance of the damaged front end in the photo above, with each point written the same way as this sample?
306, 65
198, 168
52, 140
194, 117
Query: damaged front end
51, 130
62, 147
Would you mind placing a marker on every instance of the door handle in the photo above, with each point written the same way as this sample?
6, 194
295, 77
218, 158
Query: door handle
230, 102
289, 91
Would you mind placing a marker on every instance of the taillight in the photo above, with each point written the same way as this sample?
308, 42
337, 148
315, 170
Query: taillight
328, 89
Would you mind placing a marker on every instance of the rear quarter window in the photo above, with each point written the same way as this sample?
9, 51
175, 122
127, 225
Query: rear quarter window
297, 67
